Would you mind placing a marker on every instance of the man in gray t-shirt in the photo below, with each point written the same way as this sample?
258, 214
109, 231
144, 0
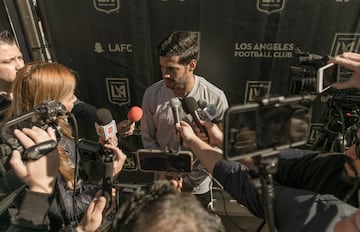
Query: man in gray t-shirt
178, 54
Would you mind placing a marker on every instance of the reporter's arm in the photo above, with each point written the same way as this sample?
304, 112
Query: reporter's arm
94, 214
39, 176
216, 135
32, 214
204, 152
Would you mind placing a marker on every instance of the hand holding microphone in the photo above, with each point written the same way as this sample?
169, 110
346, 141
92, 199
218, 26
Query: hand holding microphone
126, 127
190, 106
105, 126
113, 157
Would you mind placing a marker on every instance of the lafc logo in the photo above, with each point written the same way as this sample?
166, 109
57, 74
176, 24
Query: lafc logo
130, 162
118, 90
314, 132
345, 42
270, 6
107, 6
256, 90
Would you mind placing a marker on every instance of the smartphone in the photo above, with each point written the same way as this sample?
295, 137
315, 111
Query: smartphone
255, 129
326, 76
163, 161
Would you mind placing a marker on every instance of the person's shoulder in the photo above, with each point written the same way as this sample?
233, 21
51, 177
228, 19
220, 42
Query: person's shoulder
207, 84
213, 92
155, 88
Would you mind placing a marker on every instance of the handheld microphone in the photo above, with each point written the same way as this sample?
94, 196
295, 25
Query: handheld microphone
191, 106
106, 128
175, 104
105, 125
134, 115
209, 111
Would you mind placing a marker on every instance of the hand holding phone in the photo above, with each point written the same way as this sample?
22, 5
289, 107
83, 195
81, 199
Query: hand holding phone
330, 74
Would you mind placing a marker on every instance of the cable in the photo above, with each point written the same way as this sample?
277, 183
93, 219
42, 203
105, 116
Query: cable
221, 188
76, 138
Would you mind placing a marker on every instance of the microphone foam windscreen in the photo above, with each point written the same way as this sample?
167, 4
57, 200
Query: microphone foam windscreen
191, 104
103, 116
135, 114
175, 102
202, 103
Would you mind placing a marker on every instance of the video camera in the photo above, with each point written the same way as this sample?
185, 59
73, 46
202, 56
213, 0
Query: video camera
343, 108
340, 117
43, 116
347, 99
302, 73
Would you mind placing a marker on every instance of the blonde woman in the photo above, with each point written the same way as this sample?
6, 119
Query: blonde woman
35, 84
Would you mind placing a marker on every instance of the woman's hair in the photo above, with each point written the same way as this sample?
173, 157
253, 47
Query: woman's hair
37, 83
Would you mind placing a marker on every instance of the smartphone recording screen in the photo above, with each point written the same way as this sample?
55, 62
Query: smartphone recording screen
251, 129
160, 161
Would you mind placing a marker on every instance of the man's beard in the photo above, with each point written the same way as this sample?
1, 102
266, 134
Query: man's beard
171, 84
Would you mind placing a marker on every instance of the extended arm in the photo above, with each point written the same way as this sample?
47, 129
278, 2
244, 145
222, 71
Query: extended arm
39, 175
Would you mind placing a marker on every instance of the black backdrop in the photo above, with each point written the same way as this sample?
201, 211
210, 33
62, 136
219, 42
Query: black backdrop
241, 41
247, 46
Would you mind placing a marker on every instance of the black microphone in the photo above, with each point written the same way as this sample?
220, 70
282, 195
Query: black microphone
106, 127
191, 107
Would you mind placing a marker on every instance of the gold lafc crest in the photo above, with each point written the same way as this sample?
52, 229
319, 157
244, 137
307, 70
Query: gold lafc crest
270, 6
107, 6
118, 90
345, 42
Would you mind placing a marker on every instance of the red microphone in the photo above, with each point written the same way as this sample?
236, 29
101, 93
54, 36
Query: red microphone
134, 115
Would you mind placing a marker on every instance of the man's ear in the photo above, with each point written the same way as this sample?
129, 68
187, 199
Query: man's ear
192, 65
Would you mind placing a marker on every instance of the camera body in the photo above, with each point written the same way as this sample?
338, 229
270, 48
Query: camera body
43, 116
92, 158
303, 72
